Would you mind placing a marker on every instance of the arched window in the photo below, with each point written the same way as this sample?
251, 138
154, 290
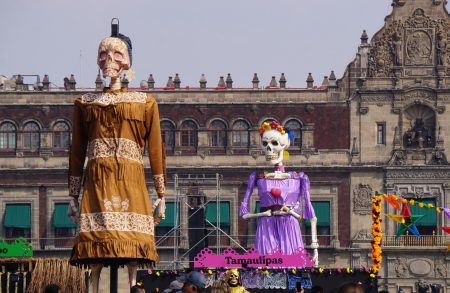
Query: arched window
296, 128
8, 133
189, 134
31, 139
218, 134
240, 134
168, 134
61, 135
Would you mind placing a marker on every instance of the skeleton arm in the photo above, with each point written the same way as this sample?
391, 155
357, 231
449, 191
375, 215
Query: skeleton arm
309, 213
267, 213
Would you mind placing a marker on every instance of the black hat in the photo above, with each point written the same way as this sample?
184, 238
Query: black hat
115, 34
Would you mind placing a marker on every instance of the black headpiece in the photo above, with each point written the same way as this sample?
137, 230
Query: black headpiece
115, 34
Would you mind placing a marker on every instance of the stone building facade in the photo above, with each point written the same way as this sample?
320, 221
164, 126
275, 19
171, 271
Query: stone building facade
383, 127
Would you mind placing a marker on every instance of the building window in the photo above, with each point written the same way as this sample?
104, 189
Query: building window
31, 139
218, 134
189, 134
212, 216
322, 211
61, 135
14, 225
296, 129
8, 133
167, 134
381, 133
240, 134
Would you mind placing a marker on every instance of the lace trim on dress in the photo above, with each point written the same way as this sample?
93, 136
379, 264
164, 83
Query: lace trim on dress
115, 147
117, 221
74, 186
158, 181
106, 99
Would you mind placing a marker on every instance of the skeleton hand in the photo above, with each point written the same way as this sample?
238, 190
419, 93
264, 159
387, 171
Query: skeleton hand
160, 203
316, 257
73, 211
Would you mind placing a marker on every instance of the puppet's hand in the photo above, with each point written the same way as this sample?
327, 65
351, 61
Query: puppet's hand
73, 211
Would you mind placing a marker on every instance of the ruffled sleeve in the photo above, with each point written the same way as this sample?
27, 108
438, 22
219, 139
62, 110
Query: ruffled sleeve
77, 153
308, 212
155, 148
250, 186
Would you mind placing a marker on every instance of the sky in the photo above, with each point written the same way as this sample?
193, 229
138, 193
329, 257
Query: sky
188, 37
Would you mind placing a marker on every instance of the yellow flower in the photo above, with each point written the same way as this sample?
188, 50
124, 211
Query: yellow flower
394, 197
404, 200
266, 273
372, 276
420, 204
210, 272
320, 270
430, 205
438, 210
411, 202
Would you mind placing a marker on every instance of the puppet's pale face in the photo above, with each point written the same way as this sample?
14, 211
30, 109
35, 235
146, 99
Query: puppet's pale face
113, 57
273, 144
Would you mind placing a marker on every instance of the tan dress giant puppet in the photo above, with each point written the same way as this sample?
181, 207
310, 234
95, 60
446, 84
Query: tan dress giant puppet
116, 224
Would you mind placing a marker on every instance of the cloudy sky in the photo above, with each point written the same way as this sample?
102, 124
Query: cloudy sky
189, 37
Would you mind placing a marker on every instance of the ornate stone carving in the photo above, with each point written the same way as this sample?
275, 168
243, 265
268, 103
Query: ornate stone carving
401, 267
376, 99
363, 235
409, 43
381, 57
438, 158
419, 174
362, 199
419, 47
398, 158
417, 96
440, 270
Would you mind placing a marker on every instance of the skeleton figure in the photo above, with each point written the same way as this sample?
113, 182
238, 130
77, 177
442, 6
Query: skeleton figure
234, 281
284, 198
114, 56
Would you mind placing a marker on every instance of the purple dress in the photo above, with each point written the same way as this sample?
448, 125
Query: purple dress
279, 233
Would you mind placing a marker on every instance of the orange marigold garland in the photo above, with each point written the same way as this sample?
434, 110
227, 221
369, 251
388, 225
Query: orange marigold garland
377, 233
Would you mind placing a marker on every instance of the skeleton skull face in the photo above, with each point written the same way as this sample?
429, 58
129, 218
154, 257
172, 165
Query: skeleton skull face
232, 278
113, 57
273, 144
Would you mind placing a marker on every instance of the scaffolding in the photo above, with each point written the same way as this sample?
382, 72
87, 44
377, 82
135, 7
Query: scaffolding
190, 188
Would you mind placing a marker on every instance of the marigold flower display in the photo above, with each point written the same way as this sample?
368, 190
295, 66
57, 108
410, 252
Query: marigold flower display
377, 233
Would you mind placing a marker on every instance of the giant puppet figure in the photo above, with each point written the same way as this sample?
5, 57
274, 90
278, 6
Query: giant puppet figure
283, 196
110, 129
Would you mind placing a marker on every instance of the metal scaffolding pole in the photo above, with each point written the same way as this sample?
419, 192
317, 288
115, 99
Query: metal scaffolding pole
182, 185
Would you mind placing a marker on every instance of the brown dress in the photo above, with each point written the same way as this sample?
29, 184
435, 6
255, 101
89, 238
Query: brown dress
116, 216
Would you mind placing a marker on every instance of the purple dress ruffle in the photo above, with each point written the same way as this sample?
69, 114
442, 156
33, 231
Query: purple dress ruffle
280, 233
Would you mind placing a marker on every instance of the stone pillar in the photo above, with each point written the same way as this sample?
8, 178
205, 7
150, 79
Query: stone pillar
46, 83
42, 228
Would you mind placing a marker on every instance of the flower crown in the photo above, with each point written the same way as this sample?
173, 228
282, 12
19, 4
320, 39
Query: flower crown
274, 125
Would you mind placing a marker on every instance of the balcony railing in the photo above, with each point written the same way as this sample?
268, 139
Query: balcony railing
169, 241
411, 240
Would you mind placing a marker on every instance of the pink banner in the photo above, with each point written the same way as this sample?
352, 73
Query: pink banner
252, 259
